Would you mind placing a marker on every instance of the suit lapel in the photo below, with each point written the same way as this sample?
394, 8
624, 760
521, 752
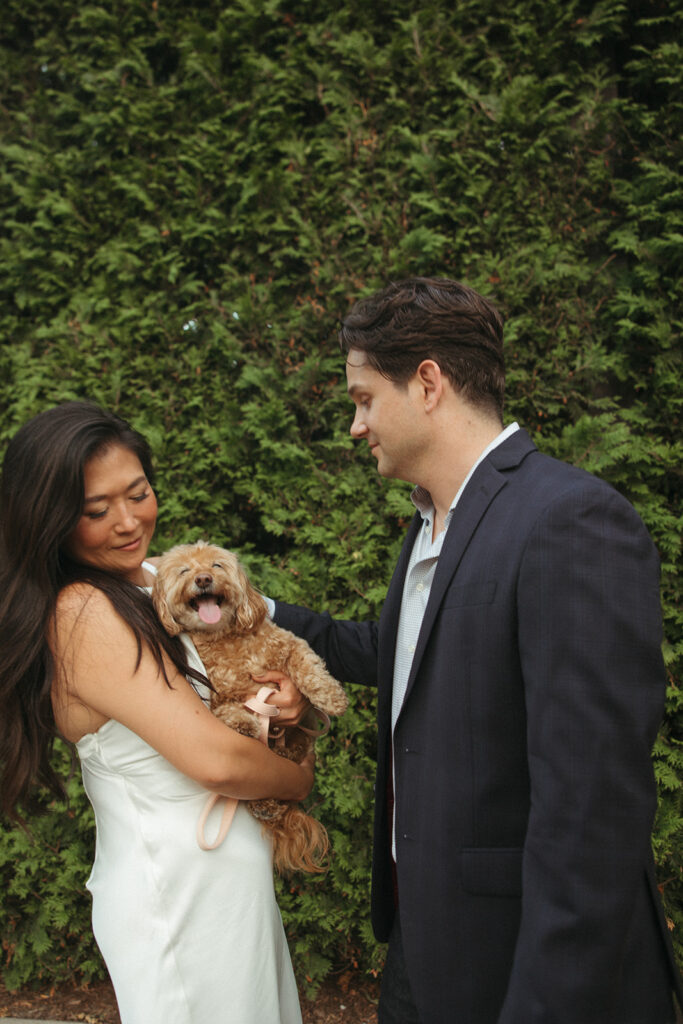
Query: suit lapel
486, 482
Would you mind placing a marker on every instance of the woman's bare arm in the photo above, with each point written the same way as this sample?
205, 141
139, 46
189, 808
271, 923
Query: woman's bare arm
96, 651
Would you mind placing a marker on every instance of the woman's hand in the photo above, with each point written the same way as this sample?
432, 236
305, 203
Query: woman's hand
291, 703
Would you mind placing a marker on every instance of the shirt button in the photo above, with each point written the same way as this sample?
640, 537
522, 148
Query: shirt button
411, 648
420, 587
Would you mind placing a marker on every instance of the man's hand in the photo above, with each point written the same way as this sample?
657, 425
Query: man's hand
292, 704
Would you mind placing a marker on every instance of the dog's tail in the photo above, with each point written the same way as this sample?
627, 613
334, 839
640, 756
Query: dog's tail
300, 843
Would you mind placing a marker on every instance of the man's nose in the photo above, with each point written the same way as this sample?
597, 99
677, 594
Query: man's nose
358, 427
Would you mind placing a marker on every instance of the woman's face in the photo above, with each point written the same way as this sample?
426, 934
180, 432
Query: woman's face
119, 514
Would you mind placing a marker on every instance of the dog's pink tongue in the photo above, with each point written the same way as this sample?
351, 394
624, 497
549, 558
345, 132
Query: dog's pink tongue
209, 612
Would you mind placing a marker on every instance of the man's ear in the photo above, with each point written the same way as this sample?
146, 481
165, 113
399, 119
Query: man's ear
431, 381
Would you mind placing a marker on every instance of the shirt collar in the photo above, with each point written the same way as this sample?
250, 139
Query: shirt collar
422, 499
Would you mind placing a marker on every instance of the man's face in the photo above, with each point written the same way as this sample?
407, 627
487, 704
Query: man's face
389, 416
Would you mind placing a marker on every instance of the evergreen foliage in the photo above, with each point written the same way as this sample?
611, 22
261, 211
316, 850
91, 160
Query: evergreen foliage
193, 193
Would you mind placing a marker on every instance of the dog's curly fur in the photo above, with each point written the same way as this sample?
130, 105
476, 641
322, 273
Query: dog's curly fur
243, 642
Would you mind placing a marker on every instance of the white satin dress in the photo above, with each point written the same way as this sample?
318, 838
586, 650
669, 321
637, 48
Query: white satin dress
189, 936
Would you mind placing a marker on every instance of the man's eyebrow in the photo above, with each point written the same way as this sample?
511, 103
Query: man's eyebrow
103, 497
353, 389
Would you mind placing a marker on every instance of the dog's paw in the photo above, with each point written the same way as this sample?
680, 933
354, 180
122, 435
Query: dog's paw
267, 810
238, 718
295, 747
330, 698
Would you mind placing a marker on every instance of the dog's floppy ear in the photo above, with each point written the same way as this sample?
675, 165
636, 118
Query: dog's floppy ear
251, 610
161, 605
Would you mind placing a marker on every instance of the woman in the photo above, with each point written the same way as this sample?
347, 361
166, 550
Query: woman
188, 936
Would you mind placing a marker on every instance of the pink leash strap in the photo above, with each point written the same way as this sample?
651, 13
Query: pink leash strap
226, 820
325, 720
266, 711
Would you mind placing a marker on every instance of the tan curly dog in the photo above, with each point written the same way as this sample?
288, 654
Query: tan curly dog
202, 590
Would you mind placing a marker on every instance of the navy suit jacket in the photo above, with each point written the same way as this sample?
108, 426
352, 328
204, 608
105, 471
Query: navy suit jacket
524, 785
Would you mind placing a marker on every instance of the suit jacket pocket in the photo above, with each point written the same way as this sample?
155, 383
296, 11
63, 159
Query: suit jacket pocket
470, 594
494, 871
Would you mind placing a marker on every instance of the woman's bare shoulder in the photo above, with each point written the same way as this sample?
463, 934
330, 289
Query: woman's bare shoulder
76, 596
87, 628
83, 605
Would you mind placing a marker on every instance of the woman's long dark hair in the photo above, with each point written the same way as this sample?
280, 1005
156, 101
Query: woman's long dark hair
41, 501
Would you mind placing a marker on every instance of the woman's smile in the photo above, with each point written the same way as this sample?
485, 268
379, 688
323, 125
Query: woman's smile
119, 515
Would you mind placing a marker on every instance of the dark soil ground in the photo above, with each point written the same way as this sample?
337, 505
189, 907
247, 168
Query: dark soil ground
349, 999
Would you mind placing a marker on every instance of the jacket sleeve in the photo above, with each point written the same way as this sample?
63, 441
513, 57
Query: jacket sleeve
349, 649
589, 642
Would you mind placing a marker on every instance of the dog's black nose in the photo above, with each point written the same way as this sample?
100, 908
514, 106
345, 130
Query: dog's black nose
204, 580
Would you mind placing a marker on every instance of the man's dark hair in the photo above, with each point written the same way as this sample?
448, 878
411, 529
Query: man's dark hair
432, 318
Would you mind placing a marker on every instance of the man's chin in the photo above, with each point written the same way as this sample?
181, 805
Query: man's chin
390, 471
385, 469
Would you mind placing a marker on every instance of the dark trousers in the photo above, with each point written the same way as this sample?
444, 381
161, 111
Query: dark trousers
396, 1004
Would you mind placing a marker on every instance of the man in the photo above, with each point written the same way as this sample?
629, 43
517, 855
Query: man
521, 686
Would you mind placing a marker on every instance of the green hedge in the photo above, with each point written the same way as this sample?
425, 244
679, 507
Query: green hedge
193, 193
